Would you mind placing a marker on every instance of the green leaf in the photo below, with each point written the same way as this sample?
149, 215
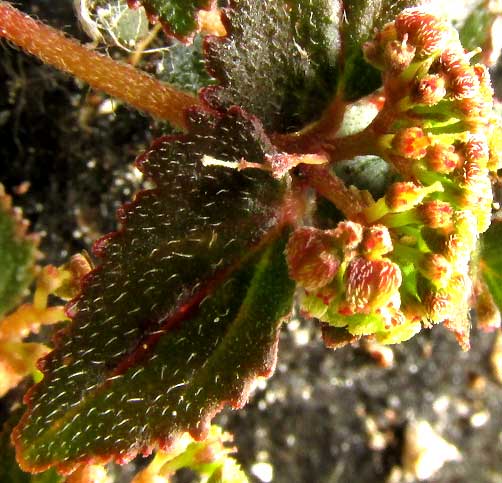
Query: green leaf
285, 61
183, 66
189, 374
9, 469
182, 313
18, 253
177, 15
490, 260
278, 60
476, 29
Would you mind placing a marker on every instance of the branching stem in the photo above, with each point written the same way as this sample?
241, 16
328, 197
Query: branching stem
103, 73
349, 201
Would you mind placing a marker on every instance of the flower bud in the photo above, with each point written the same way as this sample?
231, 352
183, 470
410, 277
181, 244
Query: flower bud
311, 258
424, 30
398, 56
348, 235
476, 194
410, 142
429, 90
442, 158
464, 84
373, 51
465, 223
452, 60
370, 284
438, 306
404, 195
436, 214
436, 268
476, 149
460, 290
485, 84
459, 246
474, 109
376, 241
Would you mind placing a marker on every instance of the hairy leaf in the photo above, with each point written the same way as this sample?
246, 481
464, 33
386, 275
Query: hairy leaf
284, 61
177, 15
9, 469
490, 262
278, 60
18, 252
182, 312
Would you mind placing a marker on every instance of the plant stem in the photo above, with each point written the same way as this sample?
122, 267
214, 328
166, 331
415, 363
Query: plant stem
327, 184
99, 71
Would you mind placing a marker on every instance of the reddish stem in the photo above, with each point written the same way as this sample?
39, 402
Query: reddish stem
349, 201
321, 136
101, 72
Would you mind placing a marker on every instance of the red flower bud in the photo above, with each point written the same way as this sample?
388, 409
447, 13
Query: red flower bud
411, 142
376, 241
311, 258
453, 60
442, 158
404, 195
438, 306
459, 246
429, 90
348, 234
485, 84
398, 55
426, 32
474, 108
371, 284
436, 214
436, 268
464, 84
476, 149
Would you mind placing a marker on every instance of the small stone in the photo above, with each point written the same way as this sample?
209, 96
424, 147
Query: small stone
263, 471
479, 419
425, 451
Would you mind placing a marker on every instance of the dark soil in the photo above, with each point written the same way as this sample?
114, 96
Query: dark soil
311, 421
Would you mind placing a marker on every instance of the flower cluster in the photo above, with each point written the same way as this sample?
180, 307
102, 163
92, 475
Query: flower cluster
404, 261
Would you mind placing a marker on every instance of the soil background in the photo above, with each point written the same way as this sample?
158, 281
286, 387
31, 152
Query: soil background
324, 416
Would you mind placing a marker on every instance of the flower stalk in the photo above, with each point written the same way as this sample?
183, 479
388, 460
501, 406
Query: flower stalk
101, 72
